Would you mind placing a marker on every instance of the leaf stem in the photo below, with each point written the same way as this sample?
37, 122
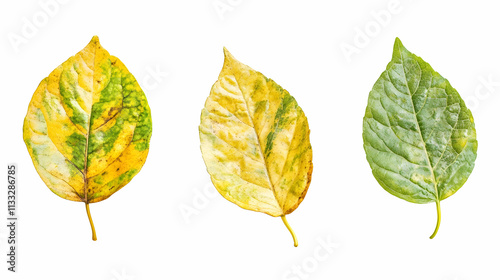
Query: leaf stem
94, 237
295, 242
438, 207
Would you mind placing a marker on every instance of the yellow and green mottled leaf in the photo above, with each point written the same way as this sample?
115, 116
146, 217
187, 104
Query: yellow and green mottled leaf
88, 126
419, 137
255, 141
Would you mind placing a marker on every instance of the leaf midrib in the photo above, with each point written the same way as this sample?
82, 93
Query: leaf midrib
259, 144
87, 136
418, 124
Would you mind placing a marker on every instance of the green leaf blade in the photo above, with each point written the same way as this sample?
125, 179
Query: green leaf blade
419, 137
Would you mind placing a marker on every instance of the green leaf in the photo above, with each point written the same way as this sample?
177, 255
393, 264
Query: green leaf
418, 135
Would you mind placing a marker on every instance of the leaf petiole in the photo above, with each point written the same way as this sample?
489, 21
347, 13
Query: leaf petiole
295, 242
438, 206
94, 237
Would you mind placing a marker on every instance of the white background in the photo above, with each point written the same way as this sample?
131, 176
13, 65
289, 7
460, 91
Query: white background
142, 233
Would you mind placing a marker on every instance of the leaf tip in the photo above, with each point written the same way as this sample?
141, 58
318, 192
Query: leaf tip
398, 44
95, 39
398, 41
227, 54
94, 44
399, 49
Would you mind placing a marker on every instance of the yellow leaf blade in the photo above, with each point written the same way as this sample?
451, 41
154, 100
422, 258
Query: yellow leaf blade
57, 171
255, 141
88, 126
